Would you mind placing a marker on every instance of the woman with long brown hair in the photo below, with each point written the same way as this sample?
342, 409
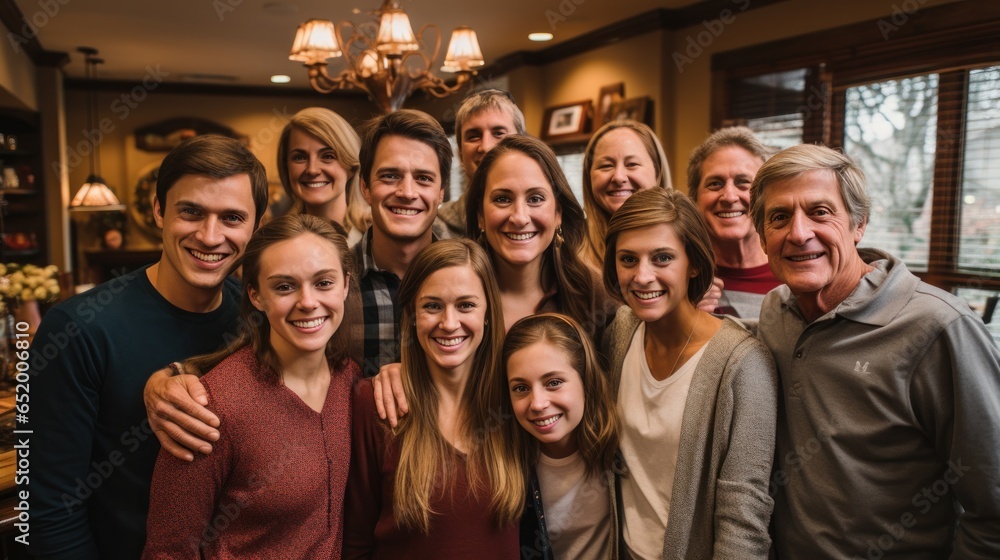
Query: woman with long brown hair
521, 210
443, 483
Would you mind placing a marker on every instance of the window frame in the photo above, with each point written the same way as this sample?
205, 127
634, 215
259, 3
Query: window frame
948, 40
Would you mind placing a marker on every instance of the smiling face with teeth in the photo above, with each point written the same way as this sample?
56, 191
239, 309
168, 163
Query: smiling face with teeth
206, 223
724, 196
450, 314
317, 178
520, 213
809, 240
404, 189
547, 396
302, 288
653, 272
622, 167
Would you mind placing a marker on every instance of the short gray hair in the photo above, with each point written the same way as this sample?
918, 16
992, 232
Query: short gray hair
794, 161
735, 136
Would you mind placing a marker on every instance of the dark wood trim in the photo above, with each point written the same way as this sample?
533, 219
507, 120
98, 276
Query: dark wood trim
817, 99
25, 38
962, 46
838, 107
720, 99
852, 45
949, 281
948, 164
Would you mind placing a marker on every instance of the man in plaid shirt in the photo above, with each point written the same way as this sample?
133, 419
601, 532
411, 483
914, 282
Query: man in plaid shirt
405, 164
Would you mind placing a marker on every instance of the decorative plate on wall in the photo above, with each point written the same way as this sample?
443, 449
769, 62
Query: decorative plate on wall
141, 207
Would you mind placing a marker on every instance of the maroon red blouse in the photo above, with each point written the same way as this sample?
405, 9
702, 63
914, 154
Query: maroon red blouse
465, 527
273, 486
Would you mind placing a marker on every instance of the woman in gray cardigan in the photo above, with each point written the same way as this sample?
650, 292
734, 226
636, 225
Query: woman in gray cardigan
697, 394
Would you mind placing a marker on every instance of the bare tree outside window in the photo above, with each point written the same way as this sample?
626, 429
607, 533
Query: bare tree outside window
890, 130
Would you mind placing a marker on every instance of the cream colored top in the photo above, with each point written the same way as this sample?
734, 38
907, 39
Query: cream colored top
651, 413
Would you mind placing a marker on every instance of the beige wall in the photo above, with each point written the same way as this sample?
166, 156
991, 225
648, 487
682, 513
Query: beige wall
17, 77
681, 92
644, 63
636, 62
259, 118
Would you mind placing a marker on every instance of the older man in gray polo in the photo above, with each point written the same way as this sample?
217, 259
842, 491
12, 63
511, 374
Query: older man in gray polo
889, 431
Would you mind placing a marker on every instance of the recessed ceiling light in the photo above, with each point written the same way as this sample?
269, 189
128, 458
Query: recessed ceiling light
540, 36
280, 79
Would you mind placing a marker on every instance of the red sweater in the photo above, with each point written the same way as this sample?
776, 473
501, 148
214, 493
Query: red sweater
464, 527
273, 485
755, 280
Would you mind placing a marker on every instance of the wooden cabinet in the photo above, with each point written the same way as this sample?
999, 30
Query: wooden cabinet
22, 189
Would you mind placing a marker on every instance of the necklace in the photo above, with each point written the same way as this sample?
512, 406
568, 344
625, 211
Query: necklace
681, 353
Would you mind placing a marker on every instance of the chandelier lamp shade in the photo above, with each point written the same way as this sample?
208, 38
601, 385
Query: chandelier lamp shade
389, 64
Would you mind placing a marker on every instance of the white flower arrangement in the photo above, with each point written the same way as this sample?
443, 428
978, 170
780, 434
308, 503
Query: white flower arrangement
19, 283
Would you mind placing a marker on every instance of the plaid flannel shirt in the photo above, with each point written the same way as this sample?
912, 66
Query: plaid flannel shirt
379, 311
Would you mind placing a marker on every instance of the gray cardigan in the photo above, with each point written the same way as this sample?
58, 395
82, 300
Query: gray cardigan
720, 507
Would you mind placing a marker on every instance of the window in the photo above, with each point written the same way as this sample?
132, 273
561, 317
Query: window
916, 105
979, 236
772, 105
457, 185
980, 302
890, 131
572, 166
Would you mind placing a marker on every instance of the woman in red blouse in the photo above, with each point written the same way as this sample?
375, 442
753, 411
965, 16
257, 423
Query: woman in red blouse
274, 485
442, 484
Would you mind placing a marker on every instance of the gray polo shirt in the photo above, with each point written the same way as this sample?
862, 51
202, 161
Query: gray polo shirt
889, 424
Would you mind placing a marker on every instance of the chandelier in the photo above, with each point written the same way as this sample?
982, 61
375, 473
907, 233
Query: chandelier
388, 63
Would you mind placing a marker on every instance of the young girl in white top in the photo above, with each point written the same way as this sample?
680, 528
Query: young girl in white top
559, 395
697, 394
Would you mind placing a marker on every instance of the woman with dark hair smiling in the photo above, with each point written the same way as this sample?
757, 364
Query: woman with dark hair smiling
521, 210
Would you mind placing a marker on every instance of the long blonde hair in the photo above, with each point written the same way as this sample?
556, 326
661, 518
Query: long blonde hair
332, 130
426, 459
597, 217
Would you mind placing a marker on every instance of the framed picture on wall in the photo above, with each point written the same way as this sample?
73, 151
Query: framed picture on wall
637, 109
608, 96
568, 119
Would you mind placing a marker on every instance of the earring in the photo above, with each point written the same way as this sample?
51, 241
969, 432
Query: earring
559, 236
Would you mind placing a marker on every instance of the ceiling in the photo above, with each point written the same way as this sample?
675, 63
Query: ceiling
244, 42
